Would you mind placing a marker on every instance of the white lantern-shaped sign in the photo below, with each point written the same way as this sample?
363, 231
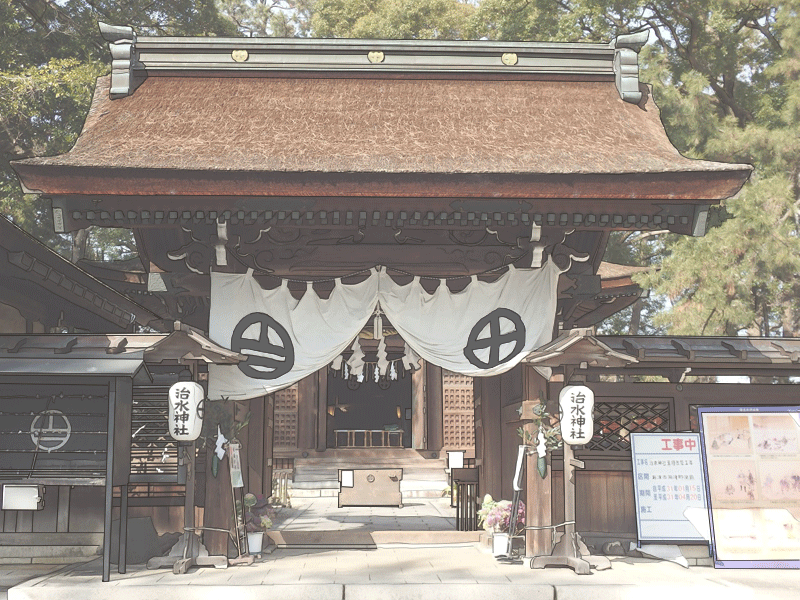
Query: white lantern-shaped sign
576, 403
185, 411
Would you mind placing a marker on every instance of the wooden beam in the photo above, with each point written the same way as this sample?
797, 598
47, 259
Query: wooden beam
739, 353
683, 349
635, 348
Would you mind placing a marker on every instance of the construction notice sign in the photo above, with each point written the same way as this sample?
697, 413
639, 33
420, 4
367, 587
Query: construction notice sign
752, 464
668, 484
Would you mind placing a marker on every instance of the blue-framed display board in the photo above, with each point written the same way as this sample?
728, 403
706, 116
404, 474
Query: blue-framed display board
667, 482
751, 460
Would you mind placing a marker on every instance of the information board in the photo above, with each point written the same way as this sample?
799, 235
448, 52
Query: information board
667, 481
751, 457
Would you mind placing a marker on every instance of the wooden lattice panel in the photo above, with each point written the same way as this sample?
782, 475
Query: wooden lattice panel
614, 421
459, 411
285, 431
286, 399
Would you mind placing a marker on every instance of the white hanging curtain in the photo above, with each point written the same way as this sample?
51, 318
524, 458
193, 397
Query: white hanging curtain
285, 339
485, 329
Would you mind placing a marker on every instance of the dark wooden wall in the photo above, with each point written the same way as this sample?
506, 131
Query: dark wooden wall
69, 525
497, 418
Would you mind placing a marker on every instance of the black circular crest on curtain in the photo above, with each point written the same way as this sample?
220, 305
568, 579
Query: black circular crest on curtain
272, 360
495, 339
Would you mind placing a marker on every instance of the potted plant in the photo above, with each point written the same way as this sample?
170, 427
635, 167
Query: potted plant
495, 517
256, 521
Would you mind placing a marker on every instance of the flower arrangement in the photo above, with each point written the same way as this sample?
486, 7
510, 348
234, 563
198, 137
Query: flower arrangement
496, 516
257, 515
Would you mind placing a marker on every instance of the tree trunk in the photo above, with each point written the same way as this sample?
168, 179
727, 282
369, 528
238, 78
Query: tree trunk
79, 240
636, 317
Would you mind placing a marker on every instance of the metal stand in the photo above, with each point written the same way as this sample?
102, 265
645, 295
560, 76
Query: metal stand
188, 551
570, 550
519, 480
244, 557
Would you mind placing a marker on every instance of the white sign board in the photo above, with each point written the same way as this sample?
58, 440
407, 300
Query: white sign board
576, 403
667, 482
235, 465
752, 465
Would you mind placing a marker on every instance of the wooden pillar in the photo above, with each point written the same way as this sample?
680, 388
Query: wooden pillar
538, 490
241, 408
219, 505
267, 442
491, 450
254, 476
435, 407
307, 400
322, 409
418, 410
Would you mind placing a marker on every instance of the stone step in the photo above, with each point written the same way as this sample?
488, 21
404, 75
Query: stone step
333, 492
370, 540
315, 474
405, 484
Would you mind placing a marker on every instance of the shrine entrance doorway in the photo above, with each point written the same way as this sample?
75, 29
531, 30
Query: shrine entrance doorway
368, 414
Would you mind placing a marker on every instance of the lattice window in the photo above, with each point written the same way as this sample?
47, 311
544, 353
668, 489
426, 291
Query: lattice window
613, 421
285, 430
459, 411
154, 454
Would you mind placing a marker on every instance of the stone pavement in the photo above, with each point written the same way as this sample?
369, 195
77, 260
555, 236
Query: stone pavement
411, 553
11, 575
462, 572
417, 514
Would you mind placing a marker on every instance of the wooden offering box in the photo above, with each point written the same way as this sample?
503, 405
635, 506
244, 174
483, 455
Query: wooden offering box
370, 487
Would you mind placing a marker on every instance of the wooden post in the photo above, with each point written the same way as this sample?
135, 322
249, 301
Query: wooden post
538, 511
122, 563
570, 550
538, 489
322, 409
188, 504
267, 442
435, 408
418, 409
569, 491
491, 428
218, 510
307, 394
254, 478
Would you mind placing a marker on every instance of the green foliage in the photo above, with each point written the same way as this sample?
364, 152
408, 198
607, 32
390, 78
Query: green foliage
50, 55
547, 424
736, 98
258, 18
391, 19
220, 414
